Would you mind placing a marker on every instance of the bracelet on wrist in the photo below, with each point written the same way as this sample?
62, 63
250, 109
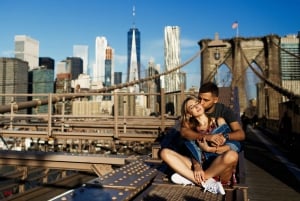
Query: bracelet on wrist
216, 149
226, 136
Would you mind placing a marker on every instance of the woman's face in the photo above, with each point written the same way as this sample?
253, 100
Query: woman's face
194, 108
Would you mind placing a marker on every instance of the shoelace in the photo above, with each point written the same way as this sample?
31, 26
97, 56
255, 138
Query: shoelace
212, 187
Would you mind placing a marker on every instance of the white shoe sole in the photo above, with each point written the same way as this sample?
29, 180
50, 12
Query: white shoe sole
178, 179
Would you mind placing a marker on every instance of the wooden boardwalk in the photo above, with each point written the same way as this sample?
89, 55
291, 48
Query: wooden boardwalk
269, 176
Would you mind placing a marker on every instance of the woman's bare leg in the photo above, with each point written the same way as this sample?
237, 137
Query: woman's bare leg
179, 163
223, 166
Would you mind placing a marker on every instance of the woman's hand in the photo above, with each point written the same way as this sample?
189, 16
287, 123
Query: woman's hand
199, 174
203, 145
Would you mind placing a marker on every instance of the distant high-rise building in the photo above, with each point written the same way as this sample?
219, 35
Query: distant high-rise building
82, 52
61, 67
117, 78
290, 63
134, 61
108, 66
108, 77
75, 65
42, 80
133, 52
154, 87
46, 62
27, 49
14, 80
133, 55
172, 58
99, 67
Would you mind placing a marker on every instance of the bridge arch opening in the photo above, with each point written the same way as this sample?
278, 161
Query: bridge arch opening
251, 81
223, 77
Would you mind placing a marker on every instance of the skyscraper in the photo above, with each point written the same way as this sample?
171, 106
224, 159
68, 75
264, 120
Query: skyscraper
172, 58
42, 80
46, 62
290, 71
133, 55
75, 66
117, 78
108, 77
27, 49
82, 52
14, 80
108, 66
98, 69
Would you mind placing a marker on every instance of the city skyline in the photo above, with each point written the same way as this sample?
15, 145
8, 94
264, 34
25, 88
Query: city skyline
59, 25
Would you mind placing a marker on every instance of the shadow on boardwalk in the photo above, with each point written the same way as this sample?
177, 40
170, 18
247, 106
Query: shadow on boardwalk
270, 175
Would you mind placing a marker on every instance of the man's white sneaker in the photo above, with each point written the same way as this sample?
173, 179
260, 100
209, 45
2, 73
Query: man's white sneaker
178, 179
213, 186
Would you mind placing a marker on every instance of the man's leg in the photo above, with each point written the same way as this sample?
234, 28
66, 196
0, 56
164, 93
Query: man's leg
179, 163
223, 166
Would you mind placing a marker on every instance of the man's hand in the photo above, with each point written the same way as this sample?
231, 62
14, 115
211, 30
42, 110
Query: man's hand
216, 139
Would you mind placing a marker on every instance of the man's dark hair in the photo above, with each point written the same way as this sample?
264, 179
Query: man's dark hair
209, 87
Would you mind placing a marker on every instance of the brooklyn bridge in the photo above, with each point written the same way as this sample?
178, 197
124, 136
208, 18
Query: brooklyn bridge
75, 154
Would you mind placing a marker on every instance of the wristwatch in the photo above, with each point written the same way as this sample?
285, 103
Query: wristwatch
226, 136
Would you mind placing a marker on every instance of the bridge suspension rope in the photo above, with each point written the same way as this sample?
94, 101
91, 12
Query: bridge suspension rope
134, 82
276, 87
286, 51
54, 98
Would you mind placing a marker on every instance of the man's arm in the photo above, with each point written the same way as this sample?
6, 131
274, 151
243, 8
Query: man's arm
189, 134
237, 133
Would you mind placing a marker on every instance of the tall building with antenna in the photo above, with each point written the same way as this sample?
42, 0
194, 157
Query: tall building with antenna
133, 55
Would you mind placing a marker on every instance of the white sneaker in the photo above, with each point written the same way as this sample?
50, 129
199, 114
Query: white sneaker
213, 186
178, 179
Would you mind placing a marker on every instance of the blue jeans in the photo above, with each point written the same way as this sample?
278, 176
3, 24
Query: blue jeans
197, 153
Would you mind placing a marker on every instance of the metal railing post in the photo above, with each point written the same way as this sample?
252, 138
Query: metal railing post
49, 115
116, 111
163, 109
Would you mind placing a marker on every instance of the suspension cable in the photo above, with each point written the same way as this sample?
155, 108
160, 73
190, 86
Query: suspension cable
286, 51
134, 82
273, 85
225, 57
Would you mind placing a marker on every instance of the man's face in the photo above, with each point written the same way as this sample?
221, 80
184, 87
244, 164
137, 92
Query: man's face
207, 100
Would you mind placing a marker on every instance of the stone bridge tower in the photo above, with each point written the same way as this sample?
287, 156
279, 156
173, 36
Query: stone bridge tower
238, 54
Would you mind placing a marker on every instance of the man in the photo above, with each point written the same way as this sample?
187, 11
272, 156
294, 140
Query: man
223, 165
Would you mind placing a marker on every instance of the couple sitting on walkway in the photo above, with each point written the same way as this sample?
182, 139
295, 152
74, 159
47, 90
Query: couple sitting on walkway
212, 134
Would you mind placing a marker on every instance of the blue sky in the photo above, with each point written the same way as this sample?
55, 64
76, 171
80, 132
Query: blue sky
60, 24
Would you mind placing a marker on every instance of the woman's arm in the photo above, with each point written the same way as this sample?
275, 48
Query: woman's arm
188, 133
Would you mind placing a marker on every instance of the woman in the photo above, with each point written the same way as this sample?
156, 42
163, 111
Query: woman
194, 117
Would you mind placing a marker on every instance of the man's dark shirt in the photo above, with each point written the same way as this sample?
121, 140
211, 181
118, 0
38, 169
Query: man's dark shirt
222, 111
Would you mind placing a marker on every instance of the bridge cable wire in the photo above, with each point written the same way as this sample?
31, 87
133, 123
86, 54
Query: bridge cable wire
54, 99
245, 70
105, 89
274, 86
212, 73
286, 51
